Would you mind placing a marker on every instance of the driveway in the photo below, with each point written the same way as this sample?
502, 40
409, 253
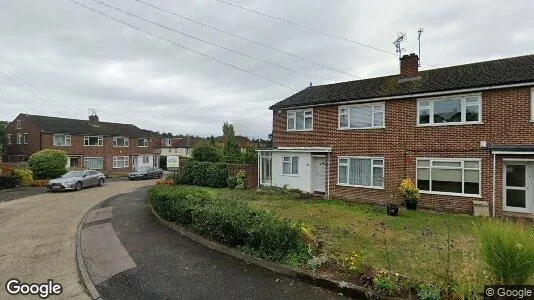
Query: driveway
130, 255
38, 233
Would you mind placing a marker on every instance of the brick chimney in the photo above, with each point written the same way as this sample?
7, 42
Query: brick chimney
93, 120
409, 66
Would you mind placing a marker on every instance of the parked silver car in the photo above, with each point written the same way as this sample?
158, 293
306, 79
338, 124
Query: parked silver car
76, 180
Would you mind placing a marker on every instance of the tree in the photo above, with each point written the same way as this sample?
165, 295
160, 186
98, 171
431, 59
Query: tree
231, 150
207, 152
48, 163
3, 136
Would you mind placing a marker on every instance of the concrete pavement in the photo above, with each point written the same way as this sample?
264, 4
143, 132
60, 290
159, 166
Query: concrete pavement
130, 255
38, 233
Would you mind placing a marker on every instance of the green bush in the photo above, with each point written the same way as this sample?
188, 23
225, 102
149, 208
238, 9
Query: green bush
241, 178
25, 176
207, 152
232, 222
205, 174
231, 182
428, 292
508, 251
48, 163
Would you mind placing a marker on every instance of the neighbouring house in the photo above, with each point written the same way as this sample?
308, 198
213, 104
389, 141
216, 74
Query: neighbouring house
111, 147
464, 134
176, 146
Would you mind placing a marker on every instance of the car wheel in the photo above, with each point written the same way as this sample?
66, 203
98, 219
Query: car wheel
160, 175
78, 186
101, 182
145, 177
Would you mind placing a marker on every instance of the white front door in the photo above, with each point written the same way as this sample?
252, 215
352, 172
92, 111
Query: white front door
517, 182
134, 162
319, 175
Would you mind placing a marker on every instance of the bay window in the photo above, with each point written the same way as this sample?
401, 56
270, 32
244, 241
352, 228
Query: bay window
290, 165
450, 110
362, 116
300, 120
361, 171
449, 176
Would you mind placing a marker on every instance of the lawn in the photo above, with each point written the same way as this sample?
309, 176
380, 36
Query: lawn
413, 244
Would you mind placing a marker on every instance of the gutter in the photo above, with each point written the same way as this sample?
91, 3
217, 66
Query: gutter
450, 92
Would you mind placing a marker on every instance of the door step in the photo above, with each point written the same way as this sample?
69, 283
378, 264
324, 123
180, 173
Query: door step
318, 194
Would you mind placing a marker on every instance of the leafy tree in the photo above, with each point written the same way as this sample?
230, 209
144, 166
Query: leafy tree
48, 163
250, 156
231, 151
207, 152
3, 136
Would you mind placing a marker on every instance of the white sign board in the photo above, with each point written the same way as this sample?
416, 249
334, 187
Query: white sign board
173, 162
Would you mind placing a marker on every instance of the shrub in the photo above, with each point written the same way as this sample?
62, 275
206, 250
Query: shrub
354, 263
25, 176
408, 190
205, 152
231, 222
428, 292
7, 170
165, 182
385, 284
508, 251
284, 192
241, 179
39, 183
205, 174
231, 182
8, 182
48, 163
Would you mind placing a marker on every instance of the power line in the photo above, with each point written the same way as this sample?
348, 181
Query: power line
208, 42
310, 28
247, 39
180, 45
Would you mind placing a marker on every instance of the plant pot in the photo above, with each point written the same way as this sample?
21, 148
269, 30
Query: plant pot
393, 209
410, 204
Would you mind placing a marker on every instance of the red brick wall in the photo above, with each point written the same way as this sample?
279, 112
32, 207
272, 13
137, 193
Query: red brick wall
505, 117
14, 150
250, 170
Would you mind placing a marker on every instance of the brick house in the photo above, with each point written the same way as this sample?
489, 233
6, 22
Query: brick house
464, 134
111, 147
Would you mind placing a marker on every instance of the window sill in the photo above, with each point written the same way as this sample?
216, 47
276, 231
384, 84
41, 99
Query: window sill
121, 146
448, 124
362, 128
298, 130
362, 186
516, 210
93, 145
61, 145
142, 146
451, 194
290, 175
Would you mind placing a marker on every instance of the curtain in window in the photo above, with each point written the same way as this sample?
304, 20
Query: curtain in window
94, 163
295, 165
360, 172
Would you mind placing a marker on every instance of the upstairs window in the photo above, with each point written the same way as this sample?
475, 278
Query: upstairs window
25, 138
290, 165
168, 142
19, 124
362, 116
93, 141
450, 110
19, 139
121, 142
300, 120
141, 142
61, 140
9, 142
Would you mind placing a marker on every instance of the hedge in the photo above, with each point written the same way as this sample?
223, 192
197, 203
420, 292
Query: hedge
231, 222
48, 163
8, 182
204, 174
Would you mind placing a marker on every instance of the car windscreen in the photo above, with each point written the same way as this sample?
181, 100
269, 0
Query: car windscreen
73, 174
142, 169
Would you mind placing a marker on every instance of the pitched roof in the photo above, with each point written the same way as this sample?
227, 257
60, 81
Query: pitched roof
75, 126
476, 75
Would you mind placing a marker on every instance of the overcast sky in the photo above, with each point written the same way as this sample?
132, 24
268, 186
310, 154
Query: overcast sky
60, 59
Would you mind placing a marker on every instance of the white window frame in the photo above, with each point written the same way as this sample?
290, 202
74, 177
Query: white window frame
462, 160
66, 137
292, 114
94, 157
19, 124
145, 142
126, 141
147, 159
376, 107
25, 138
464, 105
100, 140
290, 161
19, 138
377, 158
168, 142
124, 159
9, 141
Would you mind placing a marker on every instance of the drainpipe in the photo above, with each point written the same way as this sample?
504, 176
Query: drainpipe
328, 178
259, 168
493, 193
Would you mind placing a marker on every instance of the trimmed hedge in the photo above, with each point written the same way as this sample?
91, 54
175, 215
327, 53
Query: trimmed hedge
231, 222
48, 163
204, 174
8, 182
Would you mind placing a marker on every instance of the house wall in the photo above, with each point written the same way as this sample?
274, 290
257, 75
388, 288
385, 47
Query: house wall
302, 181
175, 151
15, 152
506, 120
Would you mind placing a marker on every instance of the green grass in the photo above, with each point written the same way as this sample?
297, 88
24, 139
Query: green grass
416, 241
